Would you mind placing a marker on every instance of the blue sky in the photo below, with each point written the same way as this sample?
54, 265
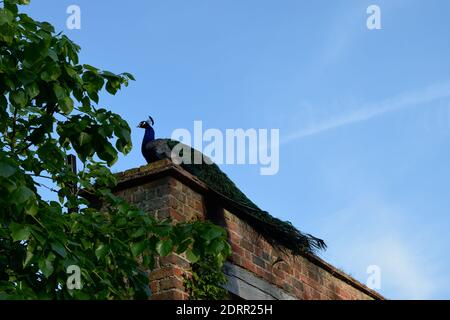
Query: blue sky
364, 116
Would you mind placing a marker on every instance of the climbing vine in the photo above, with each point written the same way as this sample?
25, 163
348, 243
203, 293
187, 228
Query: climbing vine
207, 277
207, 280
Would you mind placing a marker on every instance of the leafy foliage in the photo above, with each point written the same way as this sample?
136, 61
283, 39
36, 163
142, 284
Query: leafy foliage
48, 107
207, 280
207, 277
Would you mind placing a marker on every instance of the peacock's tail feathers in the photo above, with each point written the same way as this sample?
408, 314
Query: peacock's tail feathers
274, 230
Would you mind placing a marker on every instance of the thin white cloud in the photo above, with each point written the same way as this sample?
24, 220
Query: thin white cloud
373, 232
402, 270
369, 111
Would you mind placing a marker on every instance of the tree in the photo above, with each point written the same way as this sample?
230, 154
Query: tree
47, 109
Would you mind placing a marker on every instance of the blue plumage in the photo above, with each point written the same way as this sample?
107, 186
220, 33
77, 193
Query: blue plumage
149, 136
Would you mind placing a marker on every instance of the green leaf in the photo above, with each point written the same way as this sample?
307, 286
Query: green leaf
32, 90
138, 233
45, 25
138, 248
18, 98
162, 230
46, 265
216, 246
86, 244
182, 247
39, 237
59, 249
90, 68
6, 17
6, 170
129, 76
3, 103
192, 257
108, 74
212, 233
32, 208
164, 247
108, 154
101, 251
28, 258
53, 55
7, 34
93, 96
123, 146
60, 93
19, 232
22, 194
36, 51
71, 72
51, 73
148, 261
111, 87
84, 138
66, 105
26, 77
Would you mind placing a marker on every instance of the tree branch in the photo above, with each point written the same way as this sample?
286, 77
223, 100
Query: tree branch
13, 135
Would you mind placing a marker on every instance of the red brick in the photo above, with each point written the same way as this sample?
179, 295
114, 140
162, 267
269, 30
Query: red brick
232, 226
279, 273
234, 237
160, 273
286, 268
247, 245
176, 215
287, 287
236, 249
249, 265
260, 271
236, 258
162, 214
175, 259
165, 272
170, 295
297, 284
171, 283
259, 262
154, 286
198, 206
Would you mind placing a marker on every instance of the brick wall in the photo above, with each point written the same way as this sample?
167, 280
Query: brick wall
165, 190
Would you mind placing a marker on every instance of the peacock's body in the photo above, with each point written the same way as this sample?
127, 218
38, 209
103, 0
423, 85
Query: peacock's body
274, 230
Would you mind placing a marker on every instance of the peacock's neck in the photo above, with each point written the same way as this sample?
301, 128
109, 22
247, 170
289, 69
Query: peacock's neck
149, 135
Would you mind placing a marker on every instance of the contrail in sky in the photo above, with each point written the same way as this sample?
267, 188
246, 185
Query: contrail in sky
429, 94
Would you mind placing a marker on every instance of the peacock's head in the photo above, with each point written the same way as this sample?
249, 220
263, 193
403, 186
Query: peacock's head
147, 123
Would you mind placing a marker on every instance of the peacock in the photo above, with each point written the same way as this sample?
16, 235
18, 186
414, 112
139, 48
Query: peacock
274, 230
